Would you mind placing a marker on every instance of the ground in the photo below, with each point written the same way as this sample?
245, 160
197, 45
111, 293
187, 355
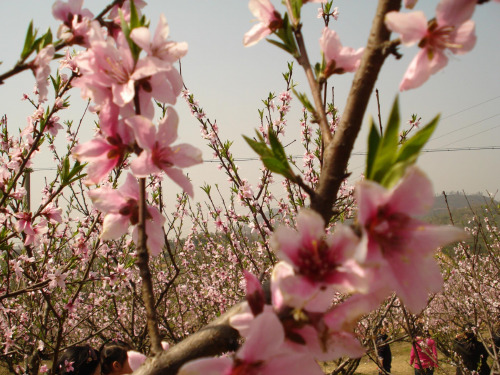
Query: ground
400, 363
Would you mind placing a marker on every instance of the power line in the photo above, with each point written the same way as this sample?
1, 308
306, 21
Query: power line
472, 106
361, 153
466, 126
473, 135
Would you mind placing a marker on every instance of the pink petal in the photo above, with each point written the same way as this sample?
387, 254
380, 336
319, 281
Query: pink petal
418, 72
141, 36
412, 26
99, 169
454, 12
287, 243
292, 364
465, 36
88, 151
154, 231
135, 359
144, 130
130, 187
280, 271
254, 293
166, 86
185, 155
369, 196
330, 44
298, 292
114, 226
265, 339
256, 33
349, 59
167, 128
148, 67
106, 199
310, 226
415, 184
123, 93
180, 179
241, 321
143, 166
262, 9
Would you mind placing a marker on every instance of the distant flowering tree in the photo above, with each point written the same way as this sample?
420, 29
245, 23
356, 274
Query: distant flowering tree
94, 263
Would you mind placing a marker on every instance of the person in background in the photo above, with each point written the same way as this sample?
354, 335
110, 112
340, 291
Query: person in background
384, 354
78, 360
471, 352
114, 358
424, 359
118, 358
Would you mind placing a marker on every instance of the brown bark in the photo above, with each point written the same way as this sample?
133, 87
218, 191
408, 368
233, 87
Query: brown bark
338, 151
216, 338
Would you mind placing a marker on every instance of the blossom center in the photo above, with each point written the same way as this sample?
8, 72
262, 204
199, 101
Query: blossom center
315, 261
160, 156
438, 38
242, 367
388, 229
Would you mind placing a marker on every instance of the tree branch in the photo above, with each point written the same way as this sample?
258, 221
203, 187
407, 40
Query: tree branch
337, 152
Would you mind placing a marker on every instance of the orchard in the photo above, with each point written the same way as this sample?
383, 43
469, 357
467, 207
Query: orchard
273, 275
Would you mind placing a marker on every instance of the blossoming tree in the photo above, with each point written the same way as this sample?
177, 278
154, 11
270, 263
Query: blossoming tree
114, 270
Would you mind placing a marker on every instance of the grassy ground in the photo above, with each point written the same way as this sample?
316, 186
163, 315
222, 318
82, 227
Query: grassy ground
400, 363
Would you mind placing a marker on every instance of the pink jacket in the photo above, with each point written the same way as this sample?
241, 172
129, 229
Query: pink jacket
426, 352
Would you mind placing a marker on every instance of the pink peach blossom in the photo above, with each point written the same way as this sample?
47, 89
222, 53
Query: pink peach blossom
270, 21
159, 47
339, 59
76, 21
322, 264
41, 70
399, 247
158, 154
122, 210
262, 353
452, 29
104, 154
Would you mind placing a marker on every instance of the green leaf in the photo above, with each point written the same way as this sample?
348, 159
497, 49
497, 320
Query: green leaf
260, 148
77, 168
276, 146
411, 148
296, 6
273, 158
388, 146
126, 28
134, 16
277, 166
280, 45
28, 42
304, 100
394, 174
373, 144
47, 39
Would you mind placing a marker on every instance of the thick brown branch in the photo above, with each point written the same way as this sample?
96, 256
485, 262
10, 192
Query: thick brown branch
337, 152
216, 338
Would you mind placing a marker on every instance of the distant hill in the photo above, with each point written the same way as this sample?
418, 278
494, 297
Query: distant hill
459, 205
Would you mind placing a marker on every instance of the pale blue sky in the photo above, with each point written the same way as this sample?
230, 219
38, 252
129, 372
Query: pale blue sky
230, 81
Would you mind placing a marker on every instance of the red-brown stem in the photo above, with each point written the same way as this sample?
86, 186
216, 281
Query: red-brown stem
147, 281
303, 60
338, 152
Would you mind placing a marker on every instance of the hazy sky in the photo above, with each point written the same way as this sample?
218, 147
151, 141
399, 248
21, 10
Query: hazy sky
230, 81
